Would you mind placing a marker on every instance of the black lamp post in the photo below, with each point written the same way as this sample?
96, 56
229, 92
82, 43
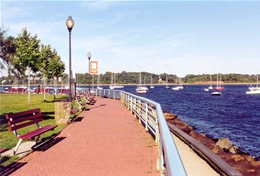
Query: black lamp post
89, 57
70, 24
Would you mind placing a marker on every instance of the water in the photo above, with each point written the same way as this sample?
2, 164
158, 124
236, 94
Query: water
234, 114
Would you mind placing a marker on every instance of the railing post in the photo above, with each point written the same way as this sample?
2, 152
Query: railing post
141, 112
146, 116
131, 105
157, 132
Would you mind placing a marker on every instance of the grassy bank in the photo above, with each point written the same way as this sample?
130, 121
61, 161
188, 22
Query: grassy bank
11, 103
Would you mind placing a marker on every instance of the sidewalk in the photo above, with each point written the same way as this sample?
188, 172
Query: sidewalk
106, 140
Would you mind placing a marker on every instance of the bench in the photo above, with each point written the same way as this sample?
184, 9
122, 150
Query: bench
89, 98
80, 102
17, 121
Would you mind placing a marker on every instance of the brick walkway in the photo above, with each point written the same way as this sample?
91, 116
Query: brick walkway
104, 141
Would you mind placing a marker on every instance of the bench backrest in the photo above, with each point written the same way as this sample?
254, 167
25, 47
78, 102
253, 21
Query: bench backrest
22, 119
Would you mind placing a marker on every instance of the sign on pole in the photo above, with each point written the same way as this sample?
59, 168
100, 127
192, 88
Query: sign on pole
93, 67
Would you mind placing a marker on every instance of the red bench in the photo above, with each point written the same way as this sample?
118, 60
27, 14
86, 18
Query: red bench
24, 119
68, 109
80, 102
89, 98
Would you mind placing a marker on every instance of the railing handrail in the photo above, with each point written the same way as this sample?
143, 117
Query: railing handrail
170, 162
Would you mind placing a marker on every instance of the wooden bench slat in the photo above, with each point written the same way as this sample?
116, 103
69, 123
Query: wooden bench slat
16, 127
37, 132
24, 118
24, 113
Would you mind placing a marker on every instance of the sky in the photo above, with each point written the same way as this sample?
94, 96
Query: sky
173, 37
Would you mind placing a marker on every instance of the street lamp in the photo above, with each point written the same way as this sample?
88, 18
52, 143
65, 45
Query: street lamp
70, 24
89, 57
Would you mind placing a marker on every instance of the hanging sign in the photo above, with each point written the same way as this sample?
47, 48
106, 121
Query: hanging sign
93, 67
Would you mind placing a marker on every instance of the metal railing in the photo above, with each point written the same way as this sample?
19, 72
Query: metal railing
150, 115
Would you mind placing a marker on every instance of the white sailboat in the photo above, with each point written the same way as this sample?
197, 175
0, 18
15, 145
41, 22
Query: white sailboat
178, 87
113, 84
254, 89
216, 93
141, 89
166, 81
98, 83
210, 86
151, 86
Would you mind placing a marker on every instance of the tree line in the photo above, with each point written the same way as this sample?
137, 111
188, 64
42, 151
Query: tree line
133, 78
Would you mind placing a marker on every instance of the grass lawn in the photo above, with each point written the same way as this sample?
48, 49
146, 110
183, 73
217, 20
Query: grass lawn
11, 103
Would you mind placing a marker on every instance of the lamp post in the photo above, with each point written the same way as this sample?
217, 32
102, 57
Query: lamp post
89, 57
70, 24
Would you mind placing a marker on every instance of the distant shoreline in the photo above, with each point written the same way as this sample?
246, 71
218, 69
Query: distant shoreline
169, 84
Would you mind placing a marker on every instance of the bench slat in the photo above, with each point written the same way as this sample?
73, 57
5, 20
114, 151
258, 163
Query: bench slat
12, 128
24, 118
37, 132
24, 113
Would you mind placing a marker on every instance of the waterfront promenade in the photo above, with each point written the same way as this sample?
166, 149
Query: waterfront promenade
104, 140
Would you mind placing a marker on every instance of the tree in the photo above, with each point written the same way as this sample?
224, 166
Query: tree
26, 56
7, 48
27, 53
51, 65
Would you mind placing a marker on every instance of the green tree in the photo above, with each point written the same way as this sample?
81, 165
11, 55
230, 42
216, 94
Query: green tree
7, 49
27, 53
51, 65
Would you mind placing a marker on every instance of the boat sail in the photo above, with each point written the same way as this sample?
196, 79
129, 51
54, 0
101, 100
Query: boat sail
141, 89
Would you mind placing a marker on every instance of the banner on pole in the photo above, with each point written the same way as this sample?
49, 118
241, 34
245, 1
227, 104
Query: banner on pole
93, 67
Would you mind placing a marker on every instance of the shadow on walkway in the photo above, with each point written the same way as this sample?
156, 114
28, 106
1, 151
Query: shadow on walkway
7, 170
48, 144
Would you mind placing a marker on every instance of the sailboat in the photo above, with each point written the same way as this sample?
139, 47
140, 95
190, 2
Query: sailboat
166, 81
98, 83
113, 84
210, 86
254, 90
141, 89
219, 87
178, 87
151, 86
